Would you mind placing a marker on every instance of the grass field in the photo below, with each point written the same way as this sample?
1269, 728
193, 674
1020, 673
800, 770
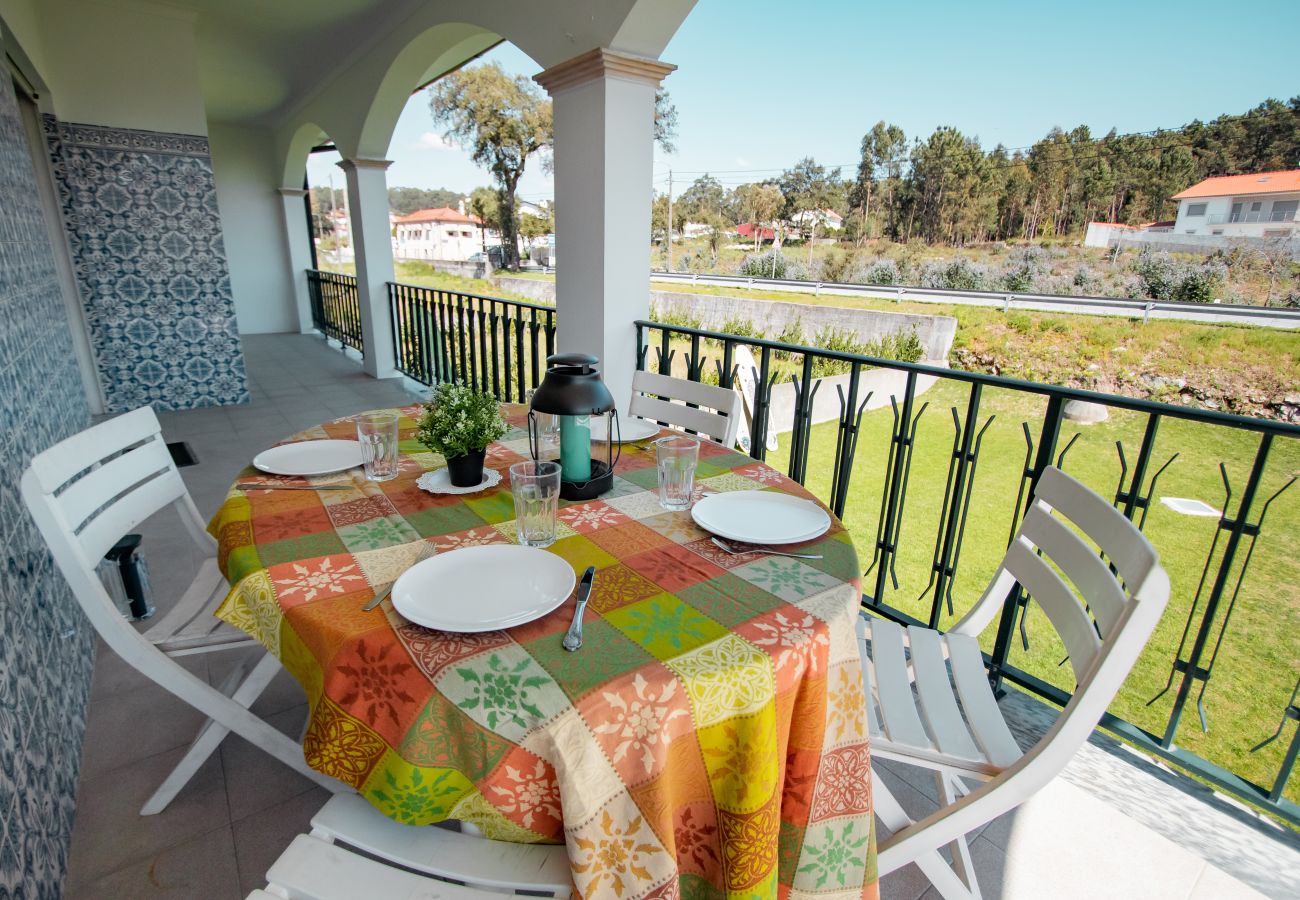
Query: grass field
1260, 655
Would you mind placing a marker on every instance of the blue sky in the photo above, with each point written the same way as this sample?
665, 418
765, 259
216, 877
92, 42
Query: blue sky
759, 85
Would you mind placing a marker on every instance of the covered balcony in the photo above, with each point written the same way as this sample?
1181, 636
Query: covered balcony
155, 250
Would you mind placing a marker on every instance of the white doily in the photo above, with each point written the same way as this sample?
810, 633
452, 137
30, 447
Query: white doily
439, 482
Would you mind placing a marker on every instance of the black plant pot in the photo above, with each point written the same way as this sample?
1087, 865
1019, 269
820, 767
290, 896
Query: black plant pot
467, 470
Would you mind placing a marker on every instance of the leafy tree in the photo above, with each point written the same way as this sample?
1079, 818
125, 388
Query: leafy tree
406, 200
705, 198
809, 188
533, 227
882, 154
758, 204
659, 217
503, 121
485, 203
665, 121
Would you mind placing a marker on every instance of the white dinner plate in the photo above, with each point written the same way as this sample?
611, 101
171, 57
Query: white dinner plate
629, 431
483, 588
309, 458
761, 517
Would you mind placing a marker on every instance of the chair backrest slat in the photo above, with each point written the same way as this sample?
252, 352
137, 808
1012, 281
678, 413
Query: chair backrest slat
53, 468
1121, 541
1061, 605
1080, 563
128, 511
721, 424
893, 686
91, 492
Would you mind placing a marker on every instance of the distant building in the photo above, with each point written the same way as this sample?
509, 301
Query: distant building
443, 233
827, 219
1263, 205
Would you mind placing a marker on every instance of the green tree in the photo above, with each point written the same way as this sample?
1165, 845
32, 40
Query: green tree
758, 204
665, 121
406, 200
809, 188
706, 197
485, 203
502, 121
882, 153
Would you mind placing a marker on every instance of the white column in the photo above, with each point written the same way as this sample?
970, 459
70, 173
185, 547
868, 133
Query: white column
372, 246
298, 251
604, 164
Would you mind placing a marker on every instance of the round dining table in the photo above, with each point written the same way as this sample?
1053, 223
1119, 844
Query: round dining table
708, 740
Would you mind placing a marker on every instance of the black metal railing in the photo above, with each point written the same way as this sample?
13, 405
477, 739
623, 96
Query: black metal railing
906, 485
336, 307
499, 345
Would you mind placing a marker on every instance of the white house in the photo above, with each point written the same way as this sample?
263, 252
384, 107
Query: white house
1263, 205
442, 233
825, 219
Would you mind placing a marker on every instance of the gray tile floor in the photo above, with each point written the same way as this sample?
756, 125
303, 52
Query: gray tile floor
1114, 825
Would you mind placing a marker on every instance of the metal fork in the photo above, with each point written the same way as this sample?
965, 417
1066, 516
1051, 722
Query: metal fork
734, 552
425, 552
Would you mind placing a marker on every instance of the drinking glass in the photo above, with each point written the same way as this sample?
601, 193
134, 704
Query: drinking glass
377, 434
536, 489
677, 457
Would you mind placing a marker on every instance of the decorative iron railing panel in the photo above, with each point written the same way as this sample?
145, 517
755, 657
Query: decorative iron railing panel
335, 307
931, 469
499, 345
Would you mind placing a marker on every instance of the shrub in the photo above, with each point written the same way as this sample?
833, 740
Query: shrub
772, 264
1159, 273
1025, 267
1084, 280
957, 275
741, 327
674, 315
792, 333
835, 266
904, 346
1201, 283
879, 271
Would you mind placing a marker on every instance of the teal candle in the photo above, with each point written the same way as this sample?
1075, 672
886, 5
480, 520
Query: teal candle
575, 448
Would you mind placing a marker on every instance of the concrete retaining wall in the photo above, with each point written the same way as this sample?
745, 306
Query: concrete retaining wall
456, 267
876, 386
1101, 235
774, 316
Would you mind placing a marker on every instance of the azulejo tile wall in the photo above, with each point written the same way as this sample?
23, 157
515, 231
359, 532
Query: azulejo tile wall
142, 219
46, 647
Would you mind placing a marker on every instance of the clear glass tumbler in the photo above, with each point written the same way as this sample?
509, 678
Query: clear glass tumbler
377, 434
536, 489
677, 457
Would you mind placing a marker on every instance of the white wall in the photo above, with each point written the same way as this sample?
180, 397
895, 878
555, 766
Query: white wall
246, 169
1214, 206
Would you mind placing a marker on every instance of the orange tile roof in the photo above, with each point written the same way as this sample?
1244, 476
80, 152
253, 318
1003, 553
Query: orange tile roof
441, 214
1258, 183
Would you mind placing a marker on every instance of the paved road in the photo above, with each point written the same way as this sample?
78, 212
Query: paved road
1268, 317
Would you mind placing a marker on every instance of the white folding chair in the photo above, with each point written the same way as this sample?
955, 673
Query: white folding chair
401, 858
716, 412
85, 493
929, 702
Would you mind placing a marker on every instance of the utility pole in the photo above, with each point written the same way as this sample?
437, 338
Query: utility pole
668, 235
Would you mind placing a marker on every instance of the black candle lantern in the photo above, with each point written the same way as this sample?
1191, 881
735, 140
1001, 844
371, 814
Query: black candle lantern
573, 390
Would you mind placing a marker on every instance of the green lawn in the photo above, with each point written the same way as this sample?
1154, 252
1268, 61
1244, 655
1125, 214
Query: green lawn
1257, 665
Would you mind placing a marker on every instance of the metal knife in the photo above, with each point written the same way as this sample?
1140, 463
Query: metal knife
573, 638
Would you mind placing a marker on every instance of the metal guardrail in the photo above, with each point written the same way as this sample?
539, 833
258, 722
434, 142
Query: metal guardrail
1209, 613
1250, 218
336, 307
1265, 316
499, 345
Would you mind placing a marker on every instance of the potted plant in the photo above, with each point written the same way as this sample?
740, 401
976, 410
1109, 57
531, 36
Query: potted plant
459, 422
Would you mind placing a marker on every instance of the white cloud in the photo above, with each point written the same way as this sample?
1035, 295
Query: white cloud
431, 140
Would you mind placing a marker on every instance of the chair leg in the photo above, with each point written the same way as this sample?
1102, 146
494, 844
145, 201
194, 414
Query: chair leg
212, 734
931, 863
949, 791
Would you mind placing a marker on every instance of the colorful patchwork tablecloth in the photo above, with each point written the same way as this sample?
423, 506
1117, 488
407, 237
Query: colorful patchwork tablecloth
709, 740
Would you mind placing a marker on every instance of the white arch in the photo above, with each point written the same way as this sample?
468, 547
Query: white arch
295, 153
359, 106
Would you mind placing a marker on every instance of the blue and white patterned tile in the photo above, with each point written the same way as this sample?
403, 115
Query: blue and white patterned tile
142, 217
44, 676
